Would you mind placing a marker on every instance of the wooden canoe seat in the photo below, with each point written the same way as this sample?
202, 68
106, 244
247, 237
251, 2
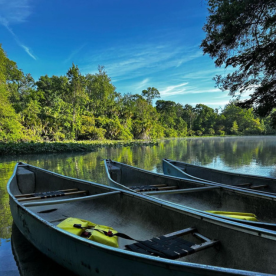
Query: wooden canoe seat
43, 195
156, 187
170, 246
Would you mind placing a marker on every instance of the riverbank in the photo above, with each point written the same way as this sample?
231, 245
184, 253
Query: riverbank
67, 146
18, 148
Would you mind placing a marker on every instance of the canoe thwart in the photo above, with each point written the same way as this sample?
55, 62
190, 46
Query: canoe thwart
181, 232
69, 200
182, 191
33, 194
170, 246
51, 194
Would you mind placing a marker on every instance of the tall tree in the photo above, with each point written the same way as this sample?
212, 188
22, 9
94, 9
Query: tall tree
76, 93
101, 92
242, 34
150, 94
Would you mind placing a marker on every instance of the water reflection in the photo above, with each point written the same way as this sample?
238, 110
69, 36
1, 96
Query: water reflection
30, 261
253, 155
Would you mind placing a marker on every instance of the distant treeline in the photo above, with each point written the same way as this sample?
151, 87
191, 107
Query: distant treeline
78, 107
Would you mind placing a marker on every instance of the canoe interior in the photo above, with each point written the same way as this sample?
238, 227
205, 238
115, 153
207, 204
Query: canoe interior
143, 219
224, 177
222, 199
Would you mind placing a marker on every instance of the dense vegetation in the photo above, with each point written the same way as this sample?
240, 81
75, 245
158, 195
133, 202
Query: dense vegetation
242, 35
78, 107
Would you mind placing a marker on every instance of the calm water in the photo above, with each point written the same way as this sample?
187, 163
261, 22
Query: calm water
251, 155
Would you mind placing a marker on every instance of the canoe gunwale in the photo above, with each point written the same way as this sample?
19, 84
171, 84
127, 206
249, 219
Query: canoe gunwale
69, 200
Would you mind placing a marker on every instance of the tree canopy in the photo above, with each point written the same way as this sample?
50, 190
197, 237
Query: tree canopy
88, 107
241, 34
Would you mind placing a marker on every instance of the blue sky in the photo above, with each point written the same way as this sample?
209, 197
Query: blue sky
141, 44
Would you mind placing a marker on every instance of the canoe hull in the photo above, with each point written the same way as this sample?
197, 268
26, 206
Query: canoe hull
188, 171
85, 259
89, 258
226, 198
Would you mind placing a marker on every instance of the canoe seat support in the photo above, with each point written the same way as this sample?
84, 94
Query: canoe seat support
170, 246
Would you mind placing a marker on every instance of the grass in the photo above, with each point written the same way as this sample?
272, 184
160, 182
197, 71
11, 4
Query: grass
67, 146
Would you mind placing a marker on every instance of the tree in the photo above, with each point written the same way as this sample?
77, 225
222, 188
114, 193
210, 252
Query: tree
205, 119
150, 94
10, 127
101, 93
235, 128
76, 93
242, 35
246, 120
189, 115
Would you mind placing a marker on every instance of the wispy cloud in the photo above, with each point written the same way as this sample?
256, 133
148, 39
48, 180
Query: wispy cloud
142, 84
73, 54
183, 89
174, 90
214, 103
133, 61
15, 12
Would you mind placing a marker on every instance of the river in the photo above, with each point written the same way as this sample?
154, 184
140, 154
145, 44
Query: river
250, 155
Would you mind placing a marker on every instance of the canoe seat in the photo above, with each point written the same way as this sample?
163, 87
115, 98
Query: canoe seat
143, 188
170, 246
43, 195
157, 187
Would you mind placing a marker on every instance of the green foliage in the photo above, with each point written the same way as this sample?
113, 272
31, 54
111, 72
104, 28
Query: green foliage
88, 129
10, 127
241, 34
150, 94
235, 128
247, 121
205, 118
77, 107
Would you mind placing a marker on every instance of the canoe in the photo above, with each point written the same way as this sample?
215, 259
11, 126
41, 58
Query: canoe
212, 246
30, 261
189, 171
194, 194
